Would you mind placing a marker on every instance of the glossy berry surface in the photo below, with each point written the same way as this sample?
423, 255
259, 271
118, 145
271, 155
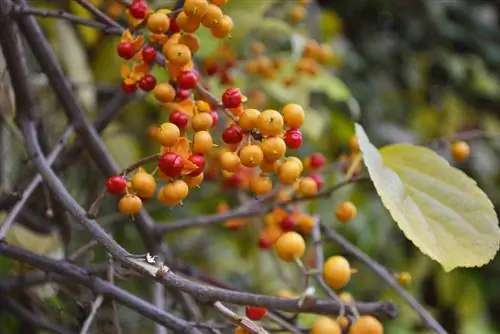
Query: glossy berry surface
148, 54
179, 118
293, 138
132, 88
138, 9
187, 80
199, 161
170, 164
317, 160
125, 50
255, 312
232, 135
232, 98
147, 83
116, 185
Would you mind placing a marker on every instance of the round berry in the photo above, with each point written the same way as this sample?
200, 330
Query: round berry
215, 118
130, 204
179, 118
337, 272
125, 50
269, 166
404, 278
318, 179
144, 184
178, 54
170, 164
230, 161
202, 121
191, 41
366, 324
293, 115
305, 223
193, 181
138, 9
232, 98
195, 8
187, 80
248, 119
345, 212
317, 160
255, 312
260, 184
325, 325
116, 185
182, 94
293, 138
158, 23
289, 172
232, 135
219, 3
169, 134
148, 54
274, 148
147, 83
164, 92
129, 88
186, 23
290, 246
288, 223
213, 15
264, 242
270, 123
199, 161
174, 27
202, 142
223, 28
460, 151
251, 156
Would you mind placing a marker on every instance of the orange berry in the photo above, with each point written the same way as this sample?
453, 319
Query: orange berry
193, 181
181, 187
144, 184
324, 54
297, 13
130, 204
195, 8
293, 115
257, 48
337, 272
212, 17
268, 166
230, 161
203, 106
297, 161
274, 148
248, 119
353, 144
290, 246
366, 324
186, 23
325, 325
305, 223
202, 142
191, 41
343, 322
158, 23
289, 172
460, 151
220, 3
202, 121
261, 184
223, 28
179, 54
164, 92
346, 297
153, 132
345, 212
169, 134
251, 156
240, 330
307, 187
270, 123
168, 195
310, 49
404, 278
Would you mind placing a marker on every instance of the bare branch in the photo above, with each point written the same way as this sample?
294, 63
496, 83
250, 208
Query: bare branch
96, 304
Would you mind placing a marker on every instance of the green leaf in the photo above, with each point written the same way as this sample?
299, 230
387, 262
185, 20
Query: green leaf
439, 208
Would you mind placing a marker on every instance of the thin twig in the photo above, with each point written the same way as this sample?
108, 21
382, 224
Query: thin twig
83, 250
159, 301
244, 322
114, 310
96, 304
98, 14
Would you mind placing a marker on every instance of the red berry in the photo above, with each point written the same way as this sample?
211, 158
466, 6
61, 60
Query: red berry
293, 138
255, 312
317, 160
181, 95
233, 181
116, 185
171, 164
215, 118
232, 134
174, 27
138, 9
318, 179
147, 83
129, 88
125, 50
179, 118
212, 69
232, 98
187, 80
264, 243
288, 223
199, 161
149, 54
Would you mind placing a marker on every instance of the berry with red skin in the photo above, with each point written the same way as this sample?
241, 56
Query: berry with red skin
125, 50
116, 185
317, 160
174, 27
232, 98
318, 179
170, 164
148, 54
255, 312
138, 9
293, 138
147, 83
232, 134
181, 95
179, 118
199, 161
264, 242
129, 88
288, 223
187, 80
215, 118
233, 181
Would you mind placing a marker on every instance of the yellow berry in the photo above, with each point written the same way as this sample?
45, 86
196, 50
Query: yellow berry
297, 13
251, 156
404, 278
270, 123
289, 172
181, 187
202, 142
202, 121
337, 272
261, 184
179, 54
460, 151
144, 184
193, 181
169, 134
307, 187
366, 324
212, 17
274, 148
240, 330
346, 297
345, 212
195, 8
268, 166
290, 246
230, 161
248, 119
293, 115
223, 28
325, 325
130, 204
191, 41
186, 23
164, 92
297, 161
158, 23
168, 195
305, 223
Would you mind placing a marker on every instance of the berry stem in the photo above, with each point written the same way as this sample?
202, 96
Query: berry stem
354, 165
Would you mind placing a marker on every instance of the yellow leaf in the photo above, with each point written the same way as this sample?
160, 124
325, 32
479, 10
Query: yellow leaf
439, 208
